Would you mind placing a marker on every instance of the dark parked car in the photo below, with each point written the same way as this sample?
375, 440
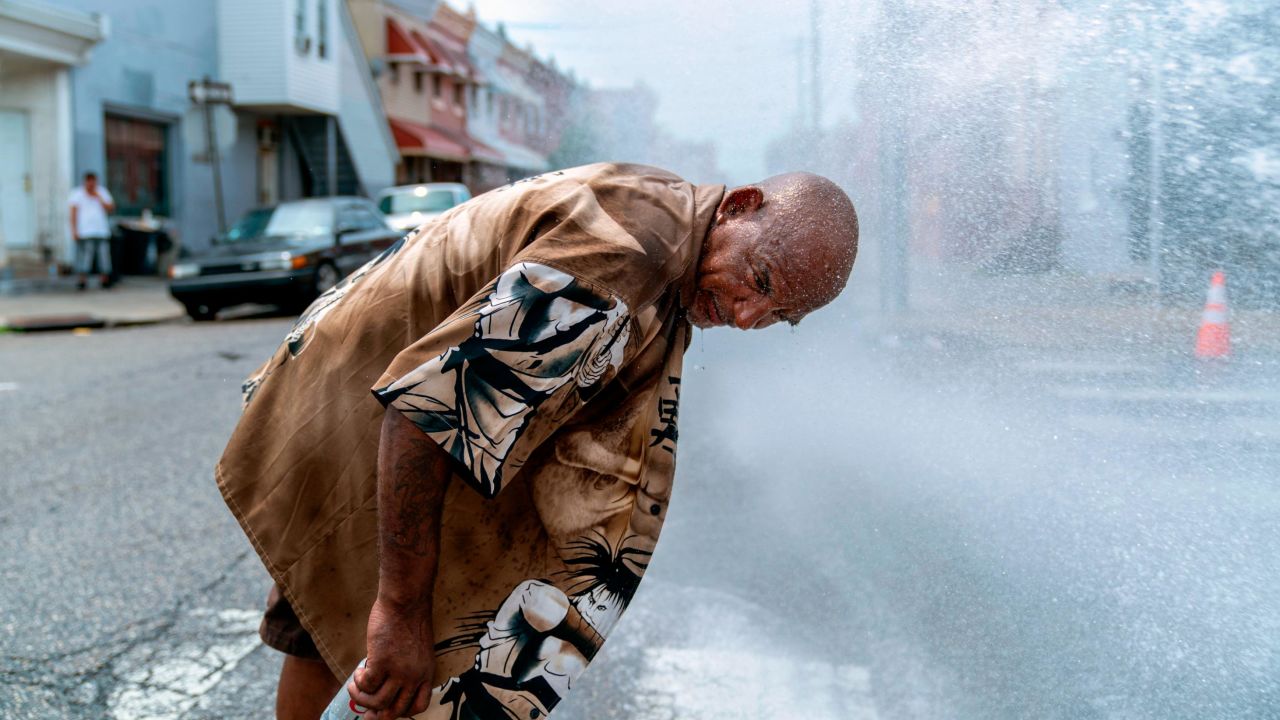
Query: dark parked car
283, 255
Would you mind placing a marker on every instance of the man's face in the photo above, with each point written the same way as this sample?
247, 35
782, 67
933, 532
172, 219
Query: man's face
741, 282
91, 184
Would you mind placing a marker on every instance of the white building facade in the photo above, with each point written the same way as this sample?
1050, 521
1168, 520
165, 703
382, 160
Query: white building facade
39, 46
298, 70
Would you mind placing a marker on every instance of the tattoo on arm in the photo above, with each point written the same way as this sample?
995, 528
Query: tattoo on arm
412, 495
413, 477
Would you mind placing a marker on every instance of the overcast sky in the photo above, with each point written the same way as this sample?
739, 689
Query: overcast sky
724, 71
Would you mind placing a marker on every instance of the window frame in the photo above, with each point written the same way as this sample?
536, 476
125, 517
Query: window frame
121, 181
301, 40
322, 29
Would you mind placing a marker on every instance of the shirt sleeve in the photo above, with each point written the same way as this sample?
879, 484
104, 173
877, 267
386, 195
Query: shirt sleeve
512, 365
106, 195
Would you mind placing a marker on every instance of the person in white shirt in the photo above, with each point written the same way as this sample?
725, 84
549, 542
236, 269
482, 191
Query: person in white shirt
90, 205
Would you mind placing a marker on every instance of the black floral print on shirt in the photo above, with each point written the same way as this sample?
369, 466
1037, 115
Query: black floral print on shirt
537, 330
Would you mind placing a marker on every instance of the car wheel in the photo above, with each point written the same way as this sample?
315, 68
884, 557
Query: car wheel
201, 313
327, 277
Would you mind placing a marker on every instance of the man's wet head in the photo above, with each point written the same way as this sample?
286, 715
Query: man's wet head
778, 250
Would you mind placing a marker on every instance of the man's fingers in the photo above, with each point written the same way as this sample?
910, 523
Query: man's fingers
379, 700
422, 699
417, 702
369, 679
400, 707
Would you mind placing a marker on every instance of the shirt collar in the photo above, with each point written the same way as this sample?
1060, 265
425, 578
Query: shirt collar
706, 199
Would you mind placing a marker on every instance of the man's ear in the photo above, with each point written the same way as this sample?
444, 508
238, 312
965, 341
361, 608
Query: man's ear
740, 200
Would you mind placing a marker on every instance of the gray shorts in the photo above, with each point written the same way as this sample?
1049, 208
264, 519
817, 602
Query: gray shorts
93, 252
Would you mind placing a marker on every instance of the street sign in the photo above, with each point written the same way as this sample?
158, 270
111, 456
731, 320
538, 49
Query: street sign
196, 137
207, 91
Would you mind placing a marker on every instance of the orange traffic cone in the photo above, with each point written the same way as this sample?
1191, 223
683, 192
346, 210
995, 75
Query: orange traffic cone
1214, 339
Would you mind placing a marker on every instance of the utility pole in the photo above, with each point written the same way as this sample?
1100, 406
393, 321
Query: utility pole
815, 63
801, 121
208, 93
895, 224
1155, 208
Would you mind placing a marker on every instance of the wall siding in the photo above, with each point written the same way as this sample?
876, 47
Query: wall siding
254, 40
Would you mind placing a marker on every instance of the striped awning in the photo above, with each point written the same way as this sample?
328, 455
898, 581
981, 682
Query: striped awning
427, 141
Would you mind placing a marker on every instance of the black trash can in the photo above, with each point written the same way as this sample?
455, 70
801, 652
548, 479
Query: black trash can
136, 252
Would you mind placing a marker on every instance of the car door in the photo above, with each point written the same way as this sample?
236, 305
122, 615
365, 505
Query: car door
352, 237
383, 235
363, 234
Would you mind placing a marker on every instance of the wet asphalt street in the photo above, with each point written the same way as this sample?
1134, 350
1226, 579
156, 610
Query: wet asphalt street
864, 526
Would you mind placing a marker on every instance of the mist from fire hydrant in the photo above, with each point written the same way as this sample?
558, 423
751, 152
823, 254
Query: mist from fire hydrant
993, 480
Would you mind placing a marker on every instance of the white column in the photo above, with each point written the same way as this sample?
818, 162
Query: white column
4, 251
64, 166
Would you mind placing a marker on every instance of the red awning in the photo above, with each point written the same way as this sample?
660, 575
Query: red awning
450, 51
403, 46
415, 139
439, 58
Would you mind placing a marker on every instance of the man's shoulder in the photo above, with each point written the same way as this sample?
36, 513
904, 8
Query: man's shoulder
632, 229
622, 173
77, 194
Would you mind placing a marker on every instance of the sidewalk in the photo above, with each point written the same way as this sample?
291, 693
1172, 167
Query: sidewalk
1065, 312
55, 304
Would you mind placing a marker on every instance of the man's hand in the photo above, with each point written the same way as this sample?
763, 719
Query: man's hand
397, 678
413, 477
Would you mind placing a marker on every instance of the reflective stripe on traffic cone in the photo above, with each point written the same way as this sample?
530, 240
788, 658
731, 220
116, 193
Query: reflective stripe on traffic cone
1214, 339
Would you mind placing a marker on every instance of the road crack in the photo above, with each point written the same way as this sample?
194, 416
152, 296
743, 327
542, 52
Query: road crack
93, 678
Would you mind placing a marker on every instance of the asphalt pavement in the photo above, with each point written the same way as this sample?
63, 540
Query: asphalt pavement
865, 525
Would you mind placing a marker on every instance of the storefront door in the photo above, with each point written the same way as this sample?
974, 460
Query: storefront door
17, 204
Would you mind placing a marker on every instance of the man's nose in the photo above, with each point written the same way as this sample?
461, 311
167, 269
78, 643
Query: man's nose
753, 315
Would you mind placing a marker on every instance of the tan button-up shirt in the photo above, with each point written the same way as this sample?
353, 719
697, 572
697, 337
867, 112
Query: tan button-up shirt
535, 333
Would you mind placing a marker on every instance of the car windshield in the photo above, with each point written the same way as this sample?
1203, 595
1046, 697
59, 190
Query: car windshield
300, 218
418, 200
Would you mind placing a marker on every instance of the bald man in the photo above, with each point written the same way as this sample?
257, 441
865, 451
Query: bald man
458, 462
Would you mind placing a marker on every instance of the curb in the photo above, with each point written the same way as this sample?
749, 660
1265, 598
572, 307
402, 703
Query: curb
56, 323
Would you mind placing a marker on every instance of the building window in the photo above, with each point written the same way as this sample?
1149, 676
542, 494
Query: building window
488, 101
137, 159
301, 42
437, 86
322, 28
459, 96
393, 68
417, 81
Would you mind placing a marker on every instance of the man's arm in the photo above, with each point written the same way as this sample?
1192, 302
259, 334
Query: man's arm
74, 209
413, 476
